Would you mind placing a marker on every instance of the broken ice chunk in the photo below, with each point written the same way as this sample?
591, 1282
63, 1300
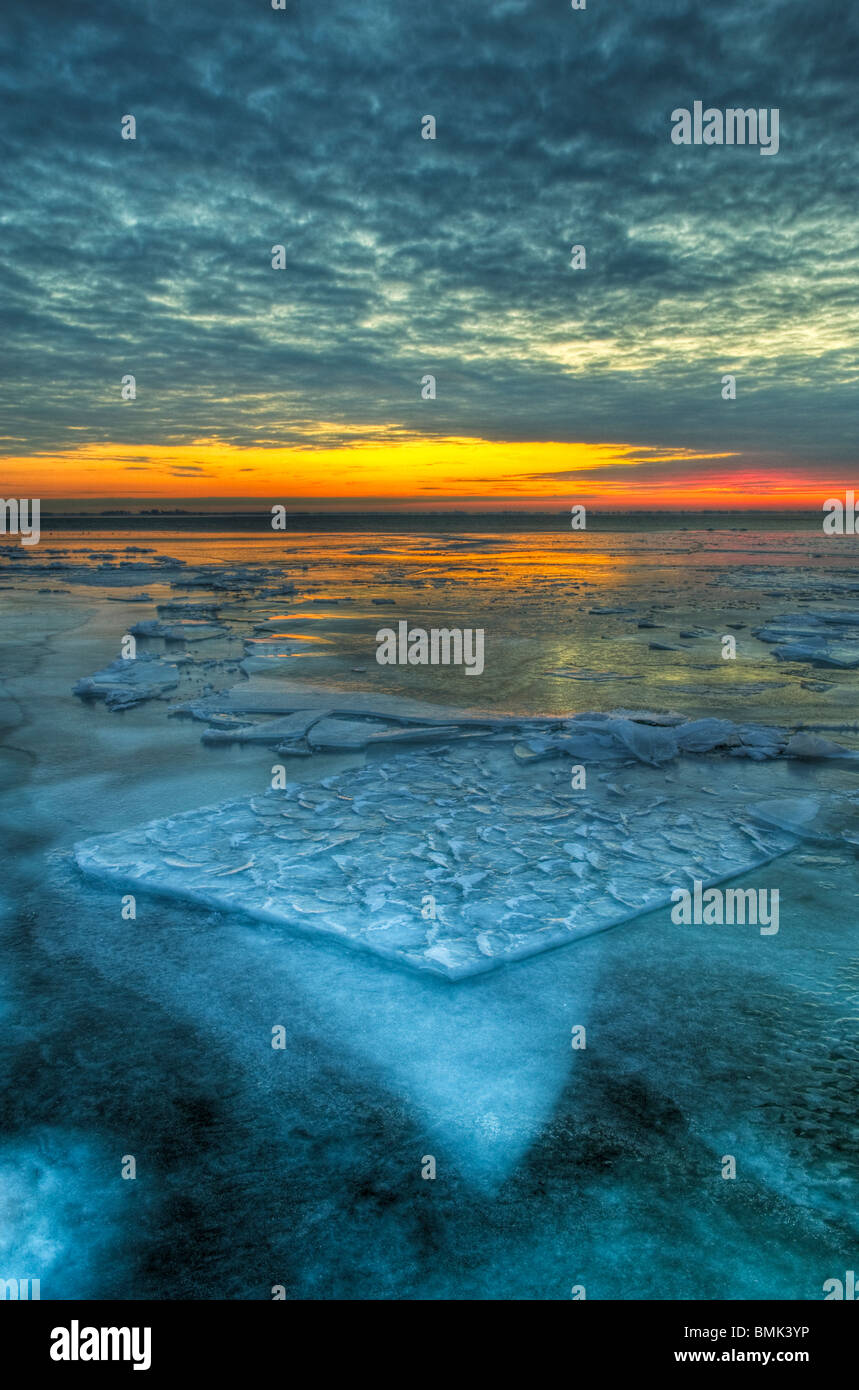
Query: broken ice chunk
125, 682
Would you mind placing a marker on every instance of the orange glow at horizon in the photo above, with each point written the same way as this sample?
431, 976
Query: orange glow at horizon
413, 472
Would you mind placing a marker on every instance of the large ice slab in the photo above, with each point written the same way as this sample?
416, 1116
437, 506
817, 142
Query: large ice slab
451, 861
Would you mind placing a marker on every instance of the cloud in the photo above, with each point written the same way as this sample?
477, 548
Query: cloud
302, 127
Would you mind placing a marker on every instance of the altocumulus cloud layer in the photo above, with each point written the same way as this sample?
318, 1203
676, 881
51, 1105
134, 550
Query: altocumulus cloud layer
406, 256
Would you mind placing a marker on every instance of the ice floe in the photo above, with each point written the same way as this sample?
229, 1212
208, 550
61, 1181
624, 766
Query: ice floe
824, 639
591, 737
833, 820
179, 630
127, 682
455, 861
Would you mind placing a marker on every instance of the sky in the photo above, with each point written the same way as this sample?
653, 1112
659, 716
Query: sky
408, 257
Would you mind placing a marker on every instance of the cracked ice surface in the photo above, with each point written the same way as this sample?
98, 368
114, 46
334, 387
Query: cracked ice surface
516, 861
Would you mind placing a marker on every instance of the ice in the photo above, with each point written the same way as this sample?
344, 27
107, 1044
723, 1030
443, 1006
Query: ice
824, 639
334, 733
177, 609
244, 579
287, 697
668, 718
820, 653
269, 731
703, 735
109, 574
810, 745
834, 820
797, 581
576, 675
127, 682
514, 861
179, 630
653, 739
310, 729
263, 658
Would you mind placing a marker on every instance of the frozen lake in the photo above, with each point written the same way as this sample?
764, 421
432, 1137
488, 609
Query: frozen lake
301, 1165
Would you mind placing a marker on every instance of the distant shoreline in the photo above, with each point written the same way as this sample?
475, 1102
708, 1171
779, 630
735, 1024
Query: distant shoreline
421, 522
